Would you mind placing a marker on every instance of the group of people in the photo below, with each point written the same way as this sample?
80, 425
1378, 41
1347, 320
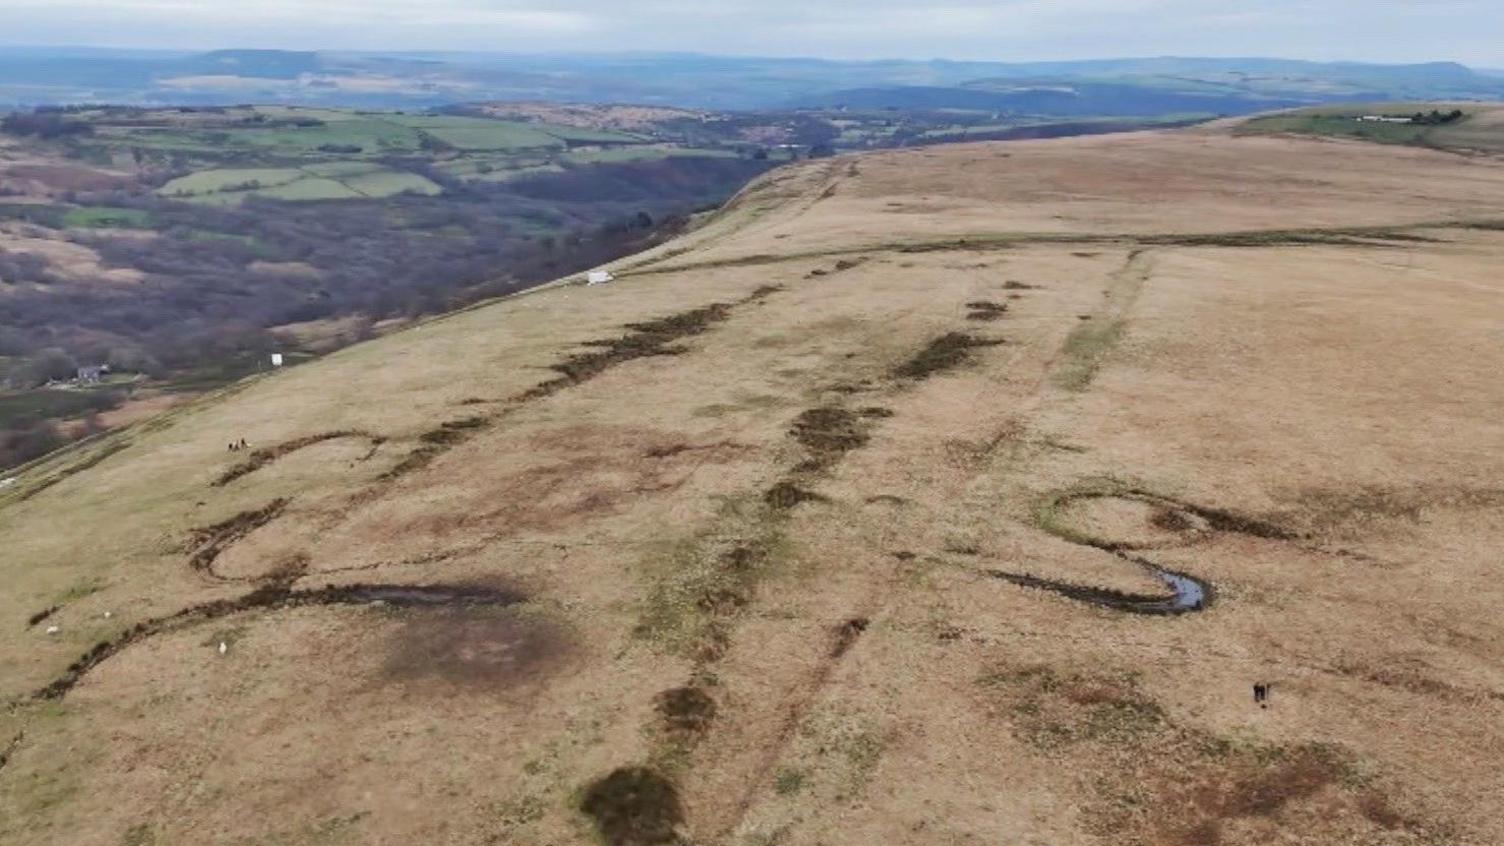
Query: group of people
237, 446
1261, 693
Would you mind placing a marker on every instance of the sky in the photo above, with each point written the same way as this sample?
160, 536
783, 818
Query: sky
1469, 31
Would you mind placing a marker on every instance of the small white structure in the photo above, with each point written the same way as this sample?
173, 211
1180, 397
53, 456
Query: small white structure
1384, 119
598, 277
92, 375
276, 359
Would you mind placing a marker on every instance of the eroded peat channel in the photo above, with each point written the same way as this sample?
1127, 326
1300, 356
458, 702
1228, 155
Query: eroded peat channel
1188, 593
277, 598
1170, 523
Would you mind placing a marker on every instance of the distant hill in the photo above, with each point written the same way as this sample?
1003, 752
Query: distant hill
1062, 98
35, 76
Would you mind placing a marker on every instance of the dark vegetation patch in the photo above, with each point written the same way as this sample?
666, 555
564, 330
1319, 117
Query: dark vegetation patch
208, 542
634, 806
10, 749
1170, 513
1344, 237
1171, 520
846, 635
263, 456
42, 615
436, 442
841, 266
985, 310
711, 578
944, 353
685, 712
1171, 785
1323, 511
474, 647
828, 432
1272, 791
1049, 709
643, 340
275, 598
786, 495
1411, 675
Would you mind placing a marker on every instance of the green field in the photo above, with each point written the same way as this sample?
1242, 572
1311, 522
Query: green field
468, 133
340, 180
105, 217
290, 153
281, 130
606, 155
1481, 129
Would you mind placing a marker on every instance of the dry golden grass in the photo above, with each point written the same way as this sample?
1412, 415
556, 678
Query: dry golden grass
751, 550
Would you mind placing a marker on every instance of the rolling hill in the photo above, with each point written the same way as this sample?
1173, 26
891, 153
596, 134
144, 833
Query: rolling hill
35, 76
946, 495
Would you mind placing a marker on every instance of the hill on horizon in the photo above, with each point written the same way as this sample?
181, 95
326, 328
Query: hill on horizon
40, 76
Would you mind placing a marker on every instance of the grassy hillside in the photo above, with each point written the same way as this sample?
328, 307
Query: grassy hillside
1479, 128
959, 494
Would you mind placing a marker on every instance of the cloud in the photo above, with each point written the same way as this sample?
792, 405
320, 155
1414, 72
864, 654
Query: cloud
1003, 30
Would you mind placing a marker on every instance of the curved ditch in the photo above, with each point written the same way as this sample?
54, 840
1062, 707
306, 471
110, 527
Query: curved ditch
209, 542
264, 456
1185, 524
277, 598
1188, 594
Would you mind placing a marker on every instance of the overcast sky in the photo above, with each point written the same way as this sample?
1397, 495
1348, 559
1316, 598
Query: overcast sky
1470, 31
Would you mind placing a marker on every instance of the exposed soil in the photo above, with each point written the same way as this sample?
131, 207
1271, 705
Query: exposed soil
634, 806
829, 432
208, 542
1250, 793
846, 635
944, 353
10, 748
276, 598
985, 310
643, 340
787, 494
468, 646
684, 712
436, 442
42, 615
263, 456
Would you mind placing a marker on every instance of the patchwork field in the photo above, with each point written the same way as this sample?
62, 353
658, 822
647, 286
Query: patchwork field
954, 495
